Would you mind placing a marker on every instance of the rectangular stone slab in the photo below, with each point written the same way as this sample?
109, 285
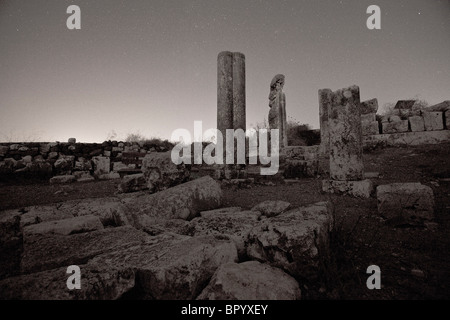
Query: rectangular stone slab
433, 121
396, 126
416, 123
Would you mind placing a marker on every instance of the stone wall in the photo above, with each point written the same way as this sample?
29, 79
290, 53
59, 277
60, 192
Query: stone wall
406, 126
86, 161
434, 118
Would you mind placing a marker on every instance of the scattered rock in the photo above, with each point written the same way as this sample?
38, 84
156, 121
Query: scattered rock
250, 281
360, 189
405, 203
48, 251
101, 165
184, 201
161, 173
234, 225
271, 208
132, 183
98, 283
62, 179
292, 240
177, 268
418, 273
65, 227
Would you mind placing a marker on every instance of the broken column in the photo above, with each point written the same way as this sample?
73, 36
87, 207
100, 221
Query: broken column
324, 149
345, 136
277, 113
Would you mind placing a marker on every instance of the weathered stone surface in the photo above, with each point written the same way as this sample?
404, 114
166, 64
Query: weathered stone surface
368, 117
442, 107
101, 165
405, 104
360, 188
220, 210
250, 280
324, 149
64, 164
370, 128
183, 201
65, 227
369, 106
83, 164
27, 159
161, 173
408, 138
62, 179
119, 166
396, 126
293, 240
52, 155
231, 225
394, 118
107, 209
177, 268
433, 121
405, 203
239, 120
416, 123
97, 283
49, 251
447, 119
83, 176
132, 183
224, 91
277, 112
270, 208
344, 122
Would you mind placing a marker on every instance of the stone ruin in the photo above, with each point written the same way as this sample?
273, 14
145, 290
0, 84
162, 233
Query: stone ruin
277, 114
176, 241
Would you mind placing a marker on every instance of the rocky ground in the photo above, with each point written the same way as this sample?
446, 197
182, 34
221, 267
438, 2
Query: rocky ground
414, 262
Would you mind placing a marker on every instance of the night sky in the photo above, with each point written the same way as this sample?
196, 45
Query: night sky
149, 66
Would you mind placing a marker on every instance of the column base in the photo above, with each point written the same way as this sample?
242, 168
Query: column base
360, 189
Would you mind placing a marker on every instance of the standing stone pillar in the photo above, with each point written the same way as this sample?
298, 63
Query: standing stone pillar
325, 96
277, 112
346, 145
230, 96
344, 119
224, 91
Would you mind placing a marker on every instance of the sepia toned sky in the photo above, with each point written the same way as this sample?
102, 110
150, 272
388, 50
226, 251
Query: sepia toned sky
149, 66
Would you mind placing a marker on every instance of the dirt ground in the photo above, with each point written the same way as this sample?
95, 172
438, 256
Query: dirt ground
414, 262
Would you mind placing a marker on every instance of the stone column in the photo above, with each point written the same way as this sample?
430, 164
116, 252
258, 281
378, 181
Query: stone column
224, 91
324, 148
239, 91
344, 120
